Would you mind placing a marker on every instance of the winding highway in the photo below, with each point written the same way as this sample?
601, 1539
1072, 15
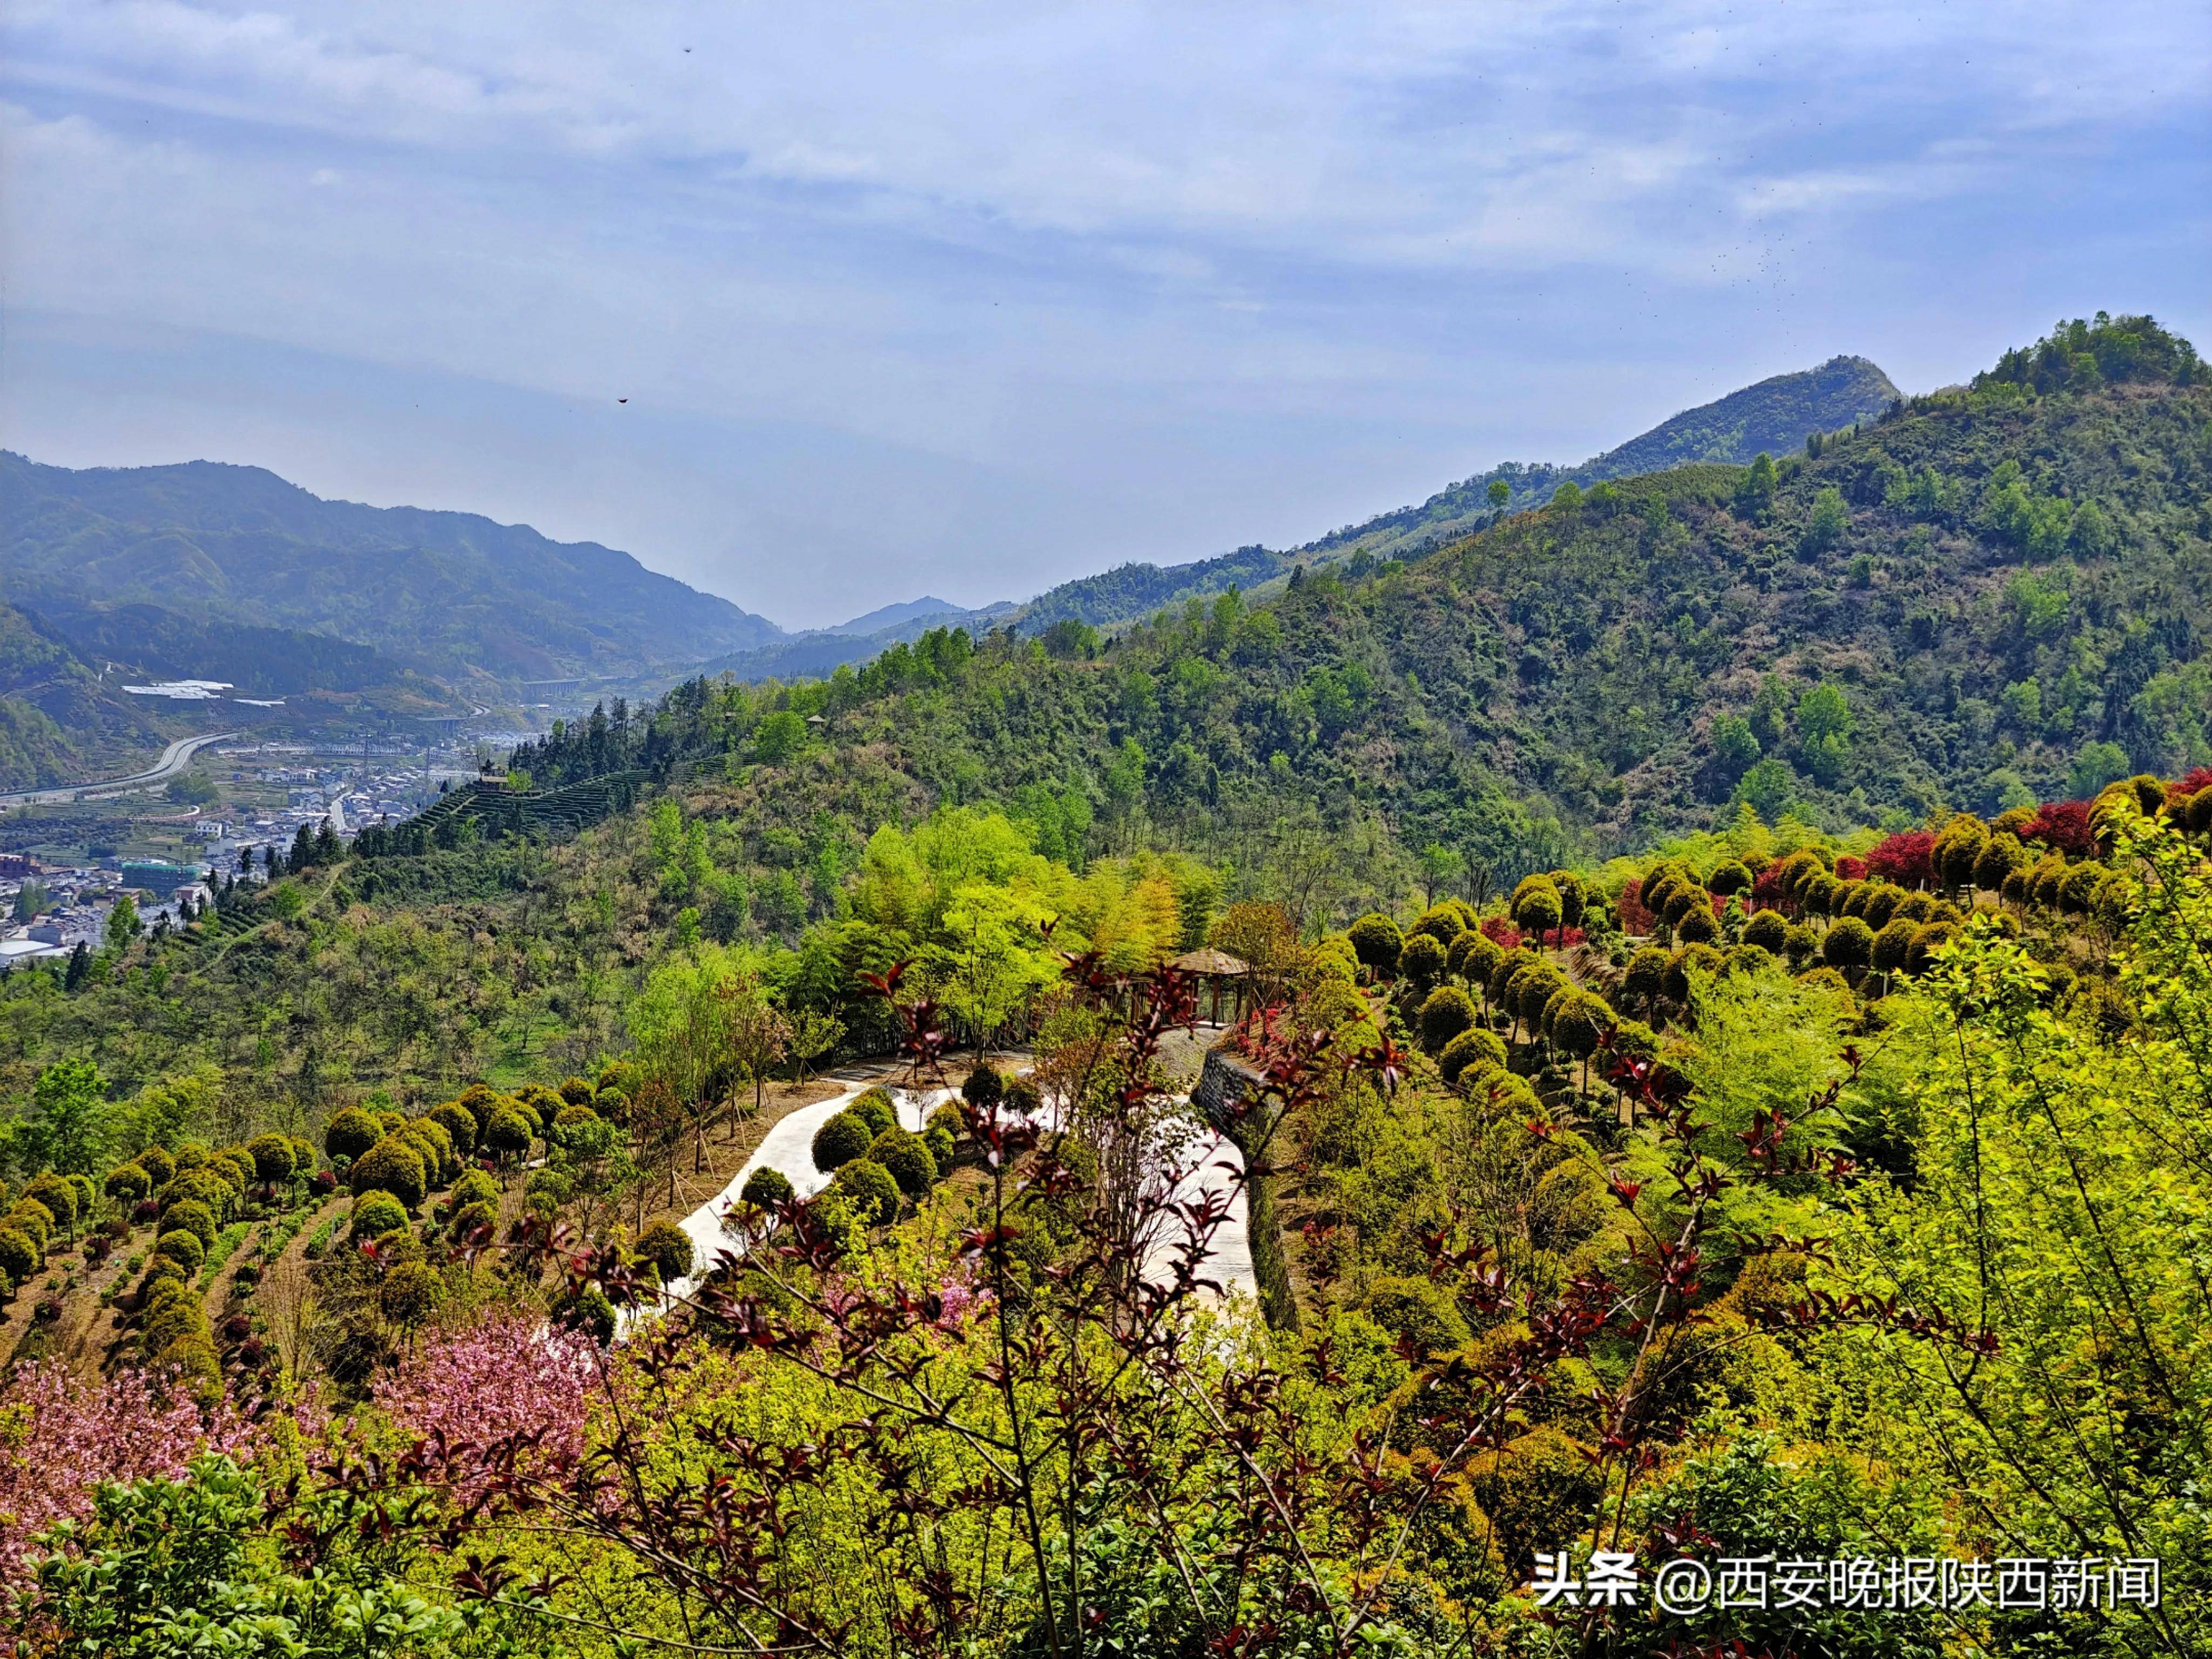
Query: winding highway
174, 759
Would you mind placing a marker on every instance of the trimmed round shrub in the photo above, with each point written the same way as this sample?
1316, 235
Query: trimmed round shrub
547, 1190
273, 1157
409, 1294
1697, 925
668, 1247
577, 1090
983, 1089
375, 1213
1422, 960
1799, 942
1538, 910
159, 1269
350, 1133
1448, 1011
192, 1360
947, 1117
1470, 1047
573, 1115
588, 1311
1376, 941
1849, 946
127, 1183
765, 1189
193, 1217
618, 1074
845, 1137
1880, 907
1925, 943
56, 1192
869, 1189
1474, 955
1441, 922
19, 1257
876, 1109
436, 1147
1767, 930
459, 1123
182, 1247
611, 1104
1533, 992
324, 1184
394, 1166
901, 1152
506, 1133
157, 1163
235, 1164
34, 1219
1731, 877
1576, 1022
1420, 1312
1023, 1098
472, 1216
942, 1147
1644, 979
474, 1186
198, 1186
1892, 944
1690, 958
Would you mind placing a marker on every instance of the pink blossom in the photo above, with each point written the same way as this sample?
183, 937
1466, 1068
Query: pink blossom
62, 1434
504, 1374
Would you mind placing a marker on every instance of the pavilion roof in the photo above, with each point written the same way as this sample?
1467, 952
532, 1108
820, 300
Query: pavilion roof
1212, 963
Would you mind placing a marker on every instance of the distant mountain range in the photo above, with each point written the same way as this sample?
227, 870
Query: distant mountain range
229, 573
447, 593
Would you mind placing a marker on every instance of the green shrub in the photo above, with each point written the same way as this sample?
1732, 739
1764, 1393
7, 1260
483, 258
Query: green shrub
350, 1133
983, 1089
765, 1189
157, 1163
34, 1219
845, 1137
589, 1311
1419, 1310
394, 1166
508, 1133
472, 1216
193, 1217
902, 1152
876, 1109
375, 1213
128, 1182
1768, 930
943, 1148
273, 1157
1474, 957
183, 1248
869, 1189
19, 1257
1848, 945
668, 1247
474, 1186
1448, 1011
1376, 941
59, 1197
1470, 1047
1421, 959
460, 1127
410, 1293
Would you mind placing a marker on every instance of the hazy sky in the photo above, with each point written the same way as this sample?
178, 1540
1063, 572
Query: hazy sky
966, 298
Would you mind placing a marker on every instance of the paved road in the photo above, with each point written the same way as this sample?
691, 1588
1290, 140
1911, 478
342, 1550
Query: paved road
174, 759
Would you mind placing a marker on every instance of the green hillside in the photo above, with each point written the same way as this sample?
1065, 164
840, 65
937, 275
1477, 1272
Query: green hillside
448, 593
1987, 595
59, 722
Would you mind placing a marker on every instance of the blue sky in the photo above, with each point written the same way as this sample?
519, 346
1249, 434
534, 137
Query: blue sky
967, 299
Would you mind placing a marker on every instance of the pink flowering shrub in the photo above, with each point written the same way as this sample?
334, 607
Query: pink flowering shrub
62, 1434
504, 1374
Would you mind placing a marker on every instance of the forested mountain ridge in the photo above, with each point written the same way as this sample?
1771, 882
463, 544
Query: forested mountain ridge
59, 722
448, 592
1992, 594
1776, 415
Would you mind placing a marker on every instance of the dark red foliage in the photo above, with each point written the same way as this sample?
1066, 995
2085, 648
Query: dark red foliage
2199, 778
1768, 893
1634, 918
1850, 869
1501, 932
1907, 858
324, 1184
145, 1210
2064, 825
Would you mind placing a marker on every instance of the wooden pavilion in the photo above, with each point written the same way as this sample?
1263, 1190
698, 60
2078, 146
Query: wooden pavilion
1216, 971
